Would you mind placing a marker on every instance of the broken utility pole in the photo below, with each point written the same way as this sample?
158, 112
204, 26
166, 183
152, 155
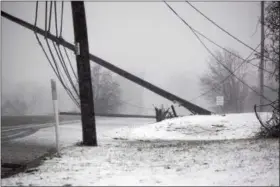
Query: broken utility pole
182, 102
174, 111
84, 74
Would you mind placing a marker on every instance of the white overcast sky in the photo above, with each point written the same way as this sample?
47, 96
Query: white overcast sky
144, 38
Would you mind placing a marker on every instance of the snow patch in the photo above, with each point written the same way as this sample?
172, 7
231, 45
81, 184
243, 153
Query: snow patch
197, 127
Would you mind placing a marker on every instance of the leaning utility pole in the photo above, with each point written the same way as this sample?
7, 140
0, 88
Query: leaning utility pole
83, 67
157, 90
262, 58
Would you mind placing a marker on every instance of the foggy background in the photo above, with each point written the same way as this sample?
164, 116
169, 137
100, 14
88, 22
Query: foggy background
143, 38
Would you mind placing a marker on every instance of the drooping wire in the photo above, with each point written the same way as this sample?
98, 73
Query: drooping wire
53, 58
60, 56
55, 17
234, 37
62, 62
61, 59
46, 15
223, 48
242, 81
59, 75
60, 36
39, 41
222, 81
50, 16
61, 23
244, 60
69, 61
227, 77
210, 52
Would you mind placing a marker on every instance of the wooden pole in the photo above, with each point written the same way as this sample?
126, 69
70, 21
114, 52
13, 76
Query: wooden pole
174, 111
84, 74
182, 102
262, 58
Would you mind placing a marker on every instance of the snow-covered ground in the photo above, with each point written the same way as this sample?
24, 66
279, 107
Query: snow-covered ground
165, 153
214, 127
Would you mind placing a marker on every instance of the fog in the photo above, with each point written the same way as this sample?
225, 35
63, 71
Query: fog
143, 38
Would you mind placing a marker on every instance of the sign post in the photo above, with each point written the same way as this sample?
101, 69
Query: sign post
56, 114
220, 102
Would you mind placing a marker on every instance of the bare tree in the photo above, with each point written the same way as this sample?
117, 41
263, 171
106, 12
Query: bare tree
271, 127
106, 91
234, 91
272, 22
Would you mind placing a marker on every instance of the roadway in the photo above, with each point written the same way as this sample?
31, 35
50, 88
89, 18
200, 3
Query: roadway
15, 150
11, 132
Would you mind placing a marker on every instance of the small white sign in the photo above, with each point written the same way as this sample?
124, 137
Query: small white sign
220, 100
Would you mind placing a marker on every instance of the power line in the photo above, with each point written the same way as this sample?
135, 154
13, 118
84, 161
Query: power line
48, 45
223, 48
70, 63
234, 37
61, 23
212, 53
55, 17
46, 15
62, 61
39, 41
223, 81
248, 61
50, 16
60, 36
60, 56
56, 71
60, 75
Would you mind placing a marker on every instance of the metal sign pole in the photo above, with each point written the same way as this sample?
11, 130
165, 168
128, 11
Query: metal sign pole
56, 113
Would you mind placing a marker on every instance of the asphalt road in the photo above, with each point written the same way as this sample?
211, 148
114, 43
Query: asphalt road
9, 133
21, 152
12, 132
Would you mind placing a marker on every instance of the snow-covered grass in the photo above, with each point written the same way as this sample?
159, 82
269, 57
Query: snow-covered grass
214, 127
239, 162
151, 157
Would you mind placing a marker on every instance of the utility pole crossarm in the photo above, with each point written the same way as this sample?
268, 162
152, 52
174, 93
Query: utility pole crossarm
188, 105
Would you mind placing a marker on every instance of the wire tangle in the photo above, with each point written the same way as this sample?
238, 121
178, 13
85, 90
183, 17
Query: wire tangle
210, 52
221, 28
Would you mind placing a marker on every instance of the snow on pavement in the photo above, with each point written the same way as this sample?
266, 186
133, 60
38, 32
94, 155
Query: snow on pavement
165, 162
